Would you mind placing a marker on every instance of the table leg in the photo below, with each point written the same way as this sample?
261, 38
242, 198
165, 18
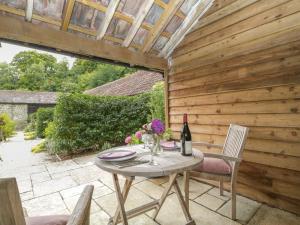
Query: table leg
121, 197
186, 178
182, 203
172, 179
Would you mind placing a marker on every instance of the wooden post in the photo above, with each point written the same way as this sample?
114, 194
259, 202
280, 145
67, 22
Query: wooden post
166, 80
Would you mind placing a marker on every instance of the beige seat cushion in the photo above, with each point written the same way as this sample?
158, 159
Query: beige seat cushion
47, 220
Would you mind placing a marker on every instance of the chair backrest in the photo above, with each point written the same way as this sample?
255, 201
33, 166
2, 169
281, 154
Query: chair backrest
235, 141
11, 211
81, 213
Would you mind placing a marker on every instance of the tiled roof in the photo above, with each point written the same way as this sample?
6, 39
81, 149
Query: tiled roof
27, 97
136, 83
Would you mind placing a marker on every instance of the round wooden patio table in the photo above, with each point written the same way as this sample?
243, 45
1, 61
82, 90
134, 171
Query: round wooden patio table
170, 163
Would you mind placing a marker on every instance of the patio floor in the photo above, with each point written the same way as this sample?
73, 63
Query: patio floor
54, 188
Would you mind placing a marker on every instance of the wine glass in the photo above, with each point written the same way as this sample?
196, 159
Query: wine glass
152, 146
145, 140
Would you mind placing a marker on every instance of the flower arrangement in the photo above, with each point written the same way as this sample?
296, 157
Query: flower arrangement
134, 139
156, 128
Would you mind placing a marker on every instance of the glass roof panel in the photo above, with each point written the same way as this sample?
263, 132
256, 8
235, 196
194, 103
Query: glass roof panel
49, 8
86, 17
174, 24
154, 14
19, 4
130, 7
118, 28
187, 5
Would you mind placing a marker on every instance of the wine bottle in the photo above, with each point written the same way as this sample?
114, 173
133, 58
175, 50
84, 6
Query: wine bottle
186, 138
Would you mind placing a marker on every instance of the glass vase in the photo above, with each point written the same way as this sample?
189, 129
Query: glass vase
157, 149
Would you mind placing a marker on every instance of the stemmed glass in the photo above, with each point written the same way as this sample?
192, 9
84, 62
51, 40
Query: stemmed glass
152, 146
149, 144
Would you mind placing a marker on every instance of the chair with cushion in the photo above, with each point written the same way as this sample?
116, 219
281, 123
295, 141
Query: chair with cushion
224, 167
11, 212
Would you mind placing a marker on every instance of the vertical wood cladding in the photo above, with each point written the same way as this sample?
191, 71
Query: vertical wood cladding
242, 65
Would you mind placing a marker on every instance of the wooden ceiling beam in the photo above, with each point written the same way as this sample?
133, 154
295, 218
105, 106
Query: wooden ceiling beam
17, 30
111, 9
161, 24
98, 6
198, 10
145, 7
67, 13
28, 10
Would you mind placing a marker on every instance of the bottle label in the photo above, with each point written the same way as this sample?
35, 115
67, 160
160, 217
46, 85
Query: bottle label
188, 147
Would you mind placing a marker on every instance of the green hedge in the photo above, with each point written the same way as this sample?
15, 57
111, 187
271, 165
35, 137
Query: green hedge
157, 101
7, 126
84, 122
43, 117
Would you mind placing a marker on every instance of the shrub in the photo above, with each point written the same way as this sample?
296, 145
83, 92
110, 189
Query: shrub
43, 117
83, 122
31, 126
29, 135
39, 147
157, 102
7, 126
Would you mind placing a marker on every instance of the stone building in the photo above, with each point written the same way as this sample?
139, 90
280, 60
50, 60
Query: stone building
19, 104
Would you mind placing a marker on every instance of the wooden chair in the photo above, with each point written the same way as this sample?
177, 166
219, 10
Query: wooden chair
224, 167
11, 211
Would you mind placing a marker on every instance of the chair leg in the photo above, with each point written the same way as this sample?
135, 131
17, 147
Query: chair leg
233, 201
221, 187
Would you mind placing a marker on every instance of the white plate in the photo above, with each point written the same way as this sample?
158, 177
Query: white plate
117, 159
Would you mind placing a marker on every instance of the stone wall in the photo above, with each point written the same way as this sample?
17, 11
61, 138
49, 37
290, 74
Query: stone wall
18, 112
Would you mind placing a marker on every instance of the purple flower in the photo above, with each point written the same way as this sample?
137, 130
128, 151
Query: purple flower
128, 140
138, 135
157, 126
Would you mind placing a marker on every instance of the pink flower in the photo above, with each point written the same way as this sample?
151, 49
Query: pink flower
128, 140
138, 135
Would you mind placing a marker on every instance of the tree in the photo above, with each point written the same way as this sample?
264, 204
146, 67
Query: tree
103, 74
34, 71
25, 58
33, 78
82, 66
9, 77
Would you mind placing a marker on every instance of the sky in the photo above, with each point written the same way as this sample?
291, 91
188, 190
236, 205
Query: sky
8, 51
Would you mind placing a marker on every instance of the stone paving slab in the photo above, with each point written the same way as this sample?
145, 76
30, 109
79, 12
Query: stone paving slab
58, 167
45, 205
135, 198
210, 201
54, 185
67, 193
85, 174
271, 216
171, 214
72, 201
246, 208
150, 189
40, 177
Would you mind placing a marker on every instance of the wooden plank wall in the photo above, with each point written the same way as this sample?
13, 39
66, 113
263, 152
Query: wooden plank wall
242, 65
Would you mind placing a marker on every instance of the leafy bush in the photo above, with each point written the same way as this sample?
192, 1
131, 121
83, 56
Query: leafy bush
43, 117
83, 122
29, 135
31, 126
7, 126
157, 102
39, 147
